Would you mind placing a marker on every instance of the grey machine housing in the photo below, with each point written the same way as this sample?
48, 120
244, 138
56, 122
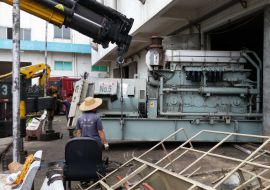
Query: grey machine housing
191, 89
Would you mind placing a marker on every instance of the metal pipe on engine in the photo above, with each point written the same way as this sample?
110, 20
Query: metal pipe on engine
256, 56
257, 69
211, 114
258, 78
162, 113
214, 90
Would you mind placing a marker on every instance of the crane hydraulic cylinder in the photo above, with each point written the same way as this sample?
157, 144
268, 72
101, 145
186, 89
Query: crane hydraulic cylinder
88, 17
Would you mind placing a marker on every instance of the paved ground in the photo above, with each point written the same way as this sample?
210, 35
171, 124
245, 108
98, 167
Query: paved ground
120, 152
54, 150
4, 144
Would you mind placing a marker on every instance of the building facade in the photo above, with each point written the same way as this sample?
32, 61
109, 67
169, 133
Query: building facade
69, 52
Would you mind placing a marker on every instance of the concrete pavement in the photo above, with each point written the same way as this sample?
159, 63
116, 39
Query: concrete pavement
118, 152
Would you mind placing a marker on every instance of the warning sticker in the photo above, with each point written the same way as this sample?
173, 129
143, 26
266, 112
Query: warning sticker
60, 7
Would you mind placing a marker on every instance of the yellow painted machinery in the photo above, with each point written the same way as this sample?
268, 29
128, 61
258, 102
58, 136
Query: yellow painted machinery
27, 73
33, 71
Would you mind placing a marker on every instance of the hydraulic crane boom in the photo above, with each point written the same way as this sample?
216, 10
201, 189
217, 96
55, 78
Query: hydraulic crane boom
88, 17
33, 71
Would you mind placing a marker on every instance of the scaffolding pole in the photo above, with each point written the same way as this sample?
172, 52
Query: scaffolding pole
17, 140
46, 59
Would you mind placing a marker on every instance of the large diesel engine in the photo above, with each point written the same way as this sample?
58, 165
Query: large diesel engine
191, 89
206, 85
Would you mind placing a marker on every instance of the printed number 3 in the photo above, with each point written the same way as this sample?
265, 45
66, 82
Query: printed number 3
4, 90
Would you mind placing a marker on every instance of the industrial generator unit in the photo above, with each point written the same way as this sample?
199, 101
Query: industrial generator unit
190, 89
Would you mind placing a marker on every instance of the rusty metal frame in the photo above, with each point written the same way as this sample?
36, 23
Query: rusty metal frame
154, 168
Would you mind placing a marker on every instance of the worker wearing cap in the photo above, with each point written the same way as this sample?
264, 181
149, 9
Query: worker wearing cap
89, 123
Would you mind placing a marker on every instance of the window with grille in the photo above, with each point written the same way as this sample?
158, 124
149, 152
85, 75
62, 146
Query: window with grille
3, 33
9, 33
25, 33
99, 68
62, 33
63, 66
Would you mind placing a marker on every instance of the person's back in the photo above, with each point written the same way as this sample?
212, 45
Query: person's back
89, 123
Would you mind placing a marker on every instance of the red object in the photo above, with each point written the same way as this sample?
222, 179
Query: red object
147, 186
64, 85
125, 184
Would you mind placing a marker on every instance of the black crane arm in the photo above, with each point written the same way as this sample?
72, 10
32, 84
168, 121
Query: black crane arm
88, 17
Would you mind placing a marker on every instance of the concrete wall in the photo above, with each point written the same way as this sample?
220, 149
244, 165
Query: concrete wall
142, 70
266, 71
133, 9
80, 63
141, 13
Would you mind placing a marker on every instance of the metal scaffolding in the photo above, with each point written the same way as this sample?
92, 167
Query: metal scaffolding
181, 166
